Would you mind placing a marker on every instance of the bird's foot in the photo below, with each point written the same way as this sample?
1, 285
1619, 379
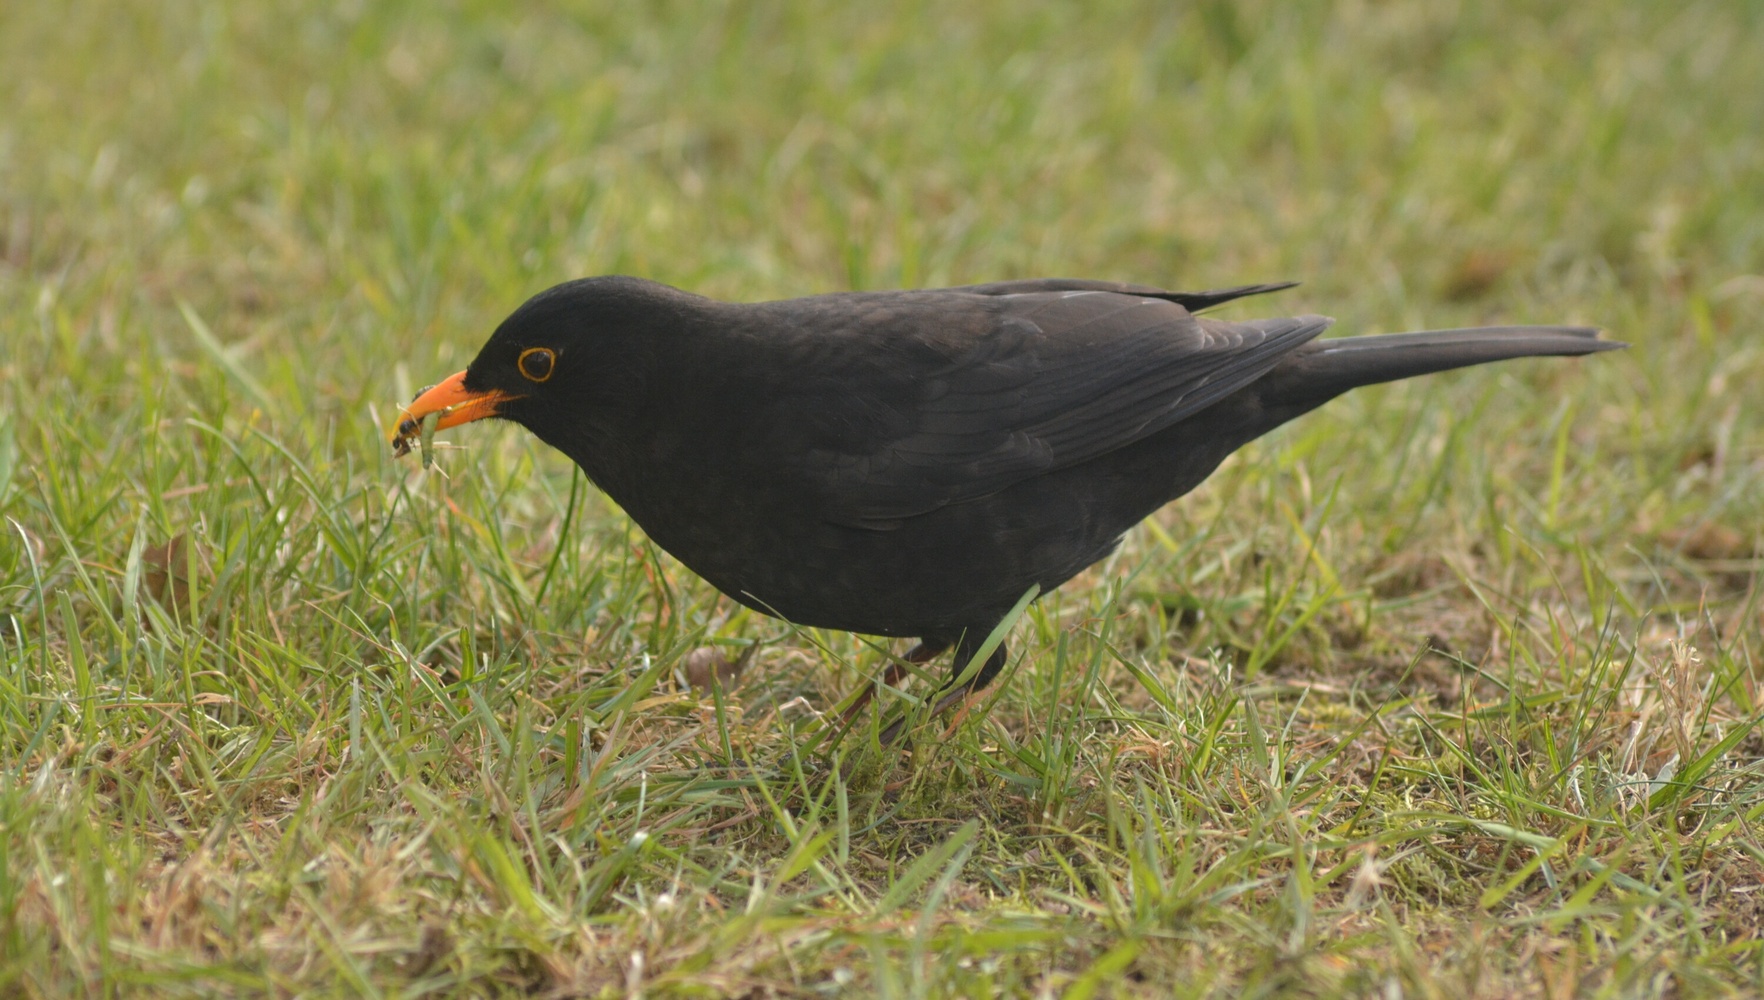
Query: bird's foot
895, 672
862, 697
970, 686
962, 699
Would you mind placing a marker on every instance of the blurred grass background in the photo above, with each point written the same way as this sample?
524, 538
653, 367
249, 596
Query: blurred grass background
1447, 690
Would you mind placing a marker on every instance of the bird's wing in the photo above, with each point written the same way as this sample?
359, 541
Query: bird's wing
1192, 301
1015, 386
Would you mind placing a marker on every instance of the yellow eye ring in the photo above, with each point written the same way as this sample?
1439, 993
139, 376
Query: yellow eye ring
537, 363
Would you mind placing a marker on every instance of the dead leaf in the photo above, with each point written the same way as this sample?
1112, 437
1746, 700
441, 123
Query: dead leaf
706, 663
167, 572
1710, 540
1476, 273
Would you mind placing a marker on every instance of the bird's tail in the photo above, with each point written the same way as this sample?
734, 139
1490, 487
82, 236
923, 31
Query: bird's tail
1323, 369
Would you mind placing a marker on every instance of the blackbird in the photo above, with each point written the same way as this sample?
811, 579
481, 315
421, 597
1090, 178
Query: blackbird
911, 463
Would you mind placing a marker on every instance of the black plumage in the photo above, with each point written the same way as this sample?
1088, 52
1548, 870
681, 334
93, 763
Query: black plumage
909, 463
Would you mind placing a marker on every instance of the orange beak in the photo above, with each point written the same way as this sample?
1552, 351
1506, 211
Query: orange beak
450, 399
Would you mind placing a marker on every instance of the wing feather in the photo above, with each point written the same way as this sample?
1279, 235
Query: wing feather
1022, 379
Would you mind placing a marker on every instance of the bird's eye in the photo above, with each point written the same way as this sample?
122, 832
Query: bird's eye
536, 362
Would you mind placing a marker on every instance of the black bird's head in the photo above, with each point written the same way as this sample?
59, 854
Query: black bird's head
568, 354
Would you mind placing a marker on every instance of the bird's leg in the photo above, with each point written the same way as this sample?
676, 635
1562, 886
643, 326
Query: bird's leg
988, 671
964, 653
923, 652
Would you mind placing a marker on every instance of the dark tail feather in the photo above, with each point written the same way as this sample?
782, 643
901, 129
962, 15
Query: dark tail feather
1324, 369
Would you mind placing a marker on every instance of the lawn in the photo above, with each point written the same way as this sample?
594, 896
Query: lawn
1449, 689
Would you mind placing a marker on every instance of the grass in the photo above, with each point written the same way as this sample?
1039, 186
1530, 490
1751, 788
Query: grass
1450, 689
